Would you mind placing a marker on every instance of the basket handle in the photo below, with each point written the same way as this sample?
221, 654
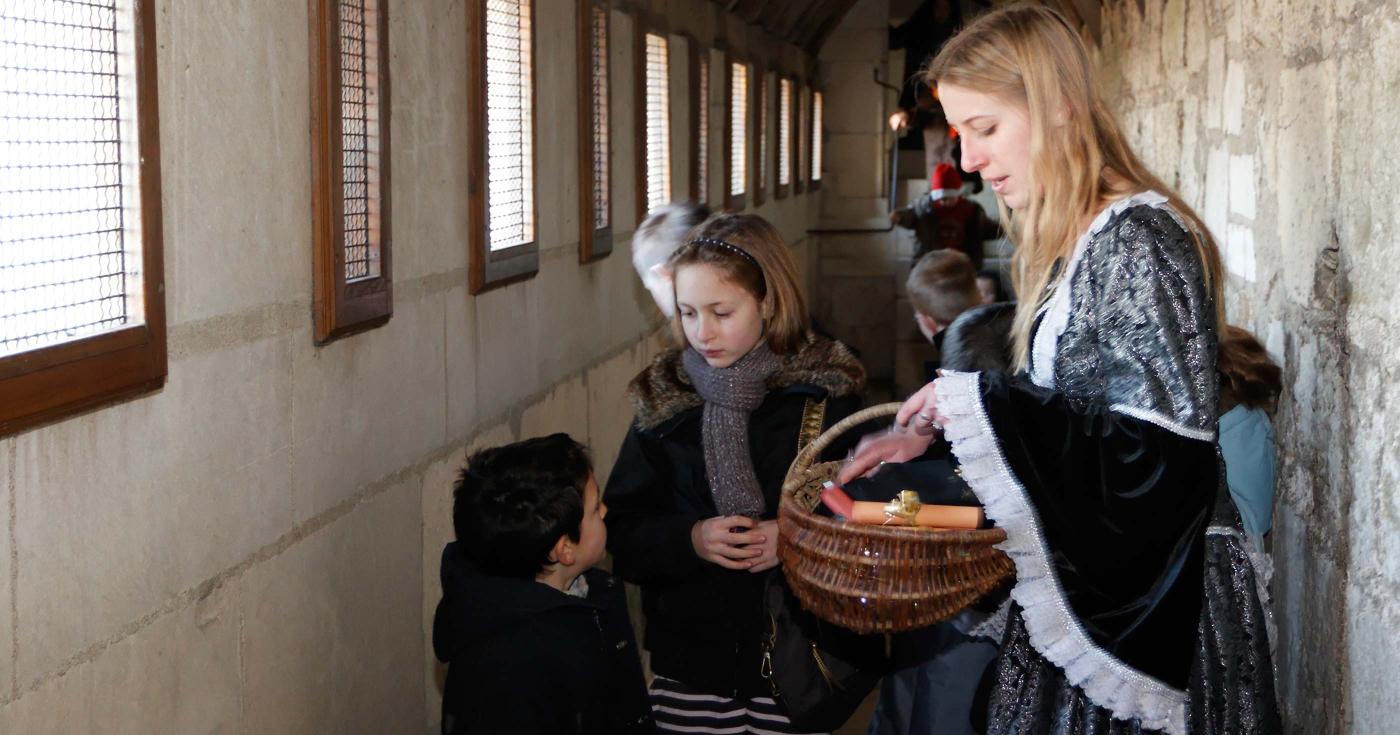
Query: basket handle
808, 455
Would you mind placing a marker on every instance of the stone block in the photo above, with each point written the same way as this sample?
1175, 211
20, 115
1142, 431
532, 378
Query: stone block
857, 255
330, 638
164, 493
242, 206
609, 411
1242, 186
854, 44
1235, 98
854, 101
368, 405
564, 408
1307, 119
1216, 210
178, 674
854, 165
428, 142
507, 362
1215, 86
461, 350
556, 138
7, 631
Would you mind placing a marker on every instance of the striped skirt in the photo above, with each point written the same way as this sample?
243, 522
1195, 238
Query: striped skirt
679, 708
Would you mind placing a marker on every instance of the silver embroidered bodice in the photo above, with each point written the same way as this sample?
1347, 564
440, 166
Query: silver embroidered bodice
1131, 325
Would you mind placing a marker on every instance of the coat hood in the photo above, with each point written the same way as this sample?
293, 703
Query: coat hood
663, 390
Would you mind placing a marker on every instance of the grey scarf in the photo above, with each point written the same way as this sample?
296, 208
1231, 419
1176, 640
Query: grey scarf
730, 395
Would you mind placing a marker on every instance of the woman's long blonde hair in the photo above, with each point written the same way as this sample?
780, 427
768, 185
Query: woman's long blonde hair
1029, 55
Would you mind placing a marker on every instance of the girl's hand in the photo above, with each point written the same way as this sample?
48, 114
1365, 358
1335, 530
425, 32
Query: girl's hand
769, 558
730, 541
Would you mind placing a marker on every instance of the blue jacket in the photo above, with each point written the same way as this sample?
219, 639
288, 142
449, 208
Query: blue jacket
1247, 442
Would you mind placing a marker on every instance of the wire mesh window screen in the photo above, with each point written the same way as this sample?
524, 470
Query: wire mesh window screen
359, 126
658, 128
738, 127
816, 154
784, 132
69, 258
509, 129
761, 133
702, 131
601, 140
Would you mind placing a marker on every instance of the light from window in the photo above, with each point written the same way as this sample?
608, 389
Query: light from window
601, 144
69, 249
658, 128
360, 110
509, 128
702, 126
738, 127
784, 132
816, 136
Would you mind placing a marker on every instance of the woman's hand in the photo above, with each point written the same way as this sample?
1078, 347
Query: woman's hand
769, 558
914, 427
733, 542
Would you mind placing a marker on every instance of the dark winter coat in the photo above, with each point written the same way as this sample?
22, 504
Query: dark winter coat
956, 224
525, 658
702, 621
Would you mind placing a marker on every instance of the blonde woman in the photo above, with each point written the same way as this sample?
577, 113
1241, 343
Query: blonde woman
1098, 457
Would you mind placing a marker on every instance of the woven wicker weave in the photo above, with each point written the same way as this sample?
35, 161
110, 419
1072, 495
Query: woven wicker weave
877, 579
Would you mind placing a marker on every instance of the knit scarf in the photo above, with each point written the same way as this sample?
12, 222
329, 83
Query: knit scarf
730, 395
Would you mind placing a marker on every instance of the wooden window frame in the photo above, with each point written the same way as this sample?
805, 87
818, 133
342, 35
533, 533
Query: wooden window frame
340, 308
780, 190
46, 384
699, 179
814, 165
487, 270
644, 24
734, 202
799, 135
758, 98
595, 242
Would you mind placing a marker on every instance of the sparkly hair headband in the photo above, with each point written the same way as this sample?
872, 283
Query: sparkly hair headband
722, 245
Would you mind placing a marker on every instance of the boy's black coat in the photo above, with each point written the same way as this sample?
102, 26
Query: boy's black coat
526, 658
702, 621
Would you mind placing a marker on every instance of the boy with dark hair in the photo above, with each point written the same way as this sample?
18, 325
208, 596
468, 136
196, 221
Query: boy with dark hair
536, 640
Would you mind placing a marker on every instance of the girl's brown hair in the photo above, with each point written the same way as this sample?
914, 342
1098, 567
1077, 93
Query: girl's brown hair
1247, 373
1029, 55
750, 253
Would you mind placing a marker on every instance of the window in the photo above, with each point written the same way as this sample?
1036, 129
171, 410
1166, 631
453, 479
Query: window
655, 125
501, 101
784, 136
802, 140
700, 122
349, 144
815, 151
82, 310
595, 141
760, 136
738, 134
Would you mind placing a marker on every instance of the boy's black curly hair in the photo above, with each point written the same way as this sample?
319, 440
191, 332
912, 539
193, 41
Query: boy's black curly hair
512, 503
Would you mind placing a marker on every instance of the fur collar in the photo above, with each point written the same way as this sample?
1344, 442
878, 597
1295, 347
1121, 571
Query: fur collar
663, 390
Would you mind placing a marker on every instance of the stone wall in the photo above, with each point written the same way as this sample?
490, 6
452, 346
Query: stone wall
1277, 121
254, 548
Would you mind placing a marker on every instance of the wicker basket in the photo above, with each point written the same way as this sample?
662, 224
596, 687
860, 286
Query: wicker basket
877, 579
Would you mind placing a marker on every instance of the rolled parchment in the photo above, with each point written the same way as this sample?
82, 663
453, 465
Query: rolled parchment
904, 510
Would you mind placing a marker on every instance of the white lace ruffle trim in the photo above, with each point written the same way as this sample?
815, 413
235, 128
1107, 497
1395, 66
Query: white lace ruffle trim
1054, 630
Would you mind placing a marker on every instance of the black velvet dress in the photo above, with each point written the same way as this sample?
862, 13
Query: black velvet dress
1134, 608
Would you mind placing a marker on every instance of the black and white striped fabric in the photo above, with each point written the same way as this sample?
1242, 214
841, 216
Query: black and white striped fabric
679, 708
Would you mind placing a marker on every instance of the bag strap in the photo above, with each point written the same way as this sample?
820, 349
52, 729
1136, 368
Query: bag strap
813, 415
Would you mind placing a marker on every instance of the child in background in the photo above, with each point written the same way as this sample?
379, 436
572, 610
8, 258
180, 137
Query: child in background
1249, 389
694, 492
941, 286
946, 220
536, 640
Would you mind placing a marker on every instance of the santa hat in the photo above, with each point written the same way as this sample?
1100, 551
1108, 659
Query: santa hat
944, 182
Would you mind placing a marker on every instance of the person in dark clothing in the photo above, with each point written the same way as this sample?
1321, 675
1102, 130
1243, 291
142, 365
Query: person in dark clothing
921, 35
946, 220
694, 491
536, 641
